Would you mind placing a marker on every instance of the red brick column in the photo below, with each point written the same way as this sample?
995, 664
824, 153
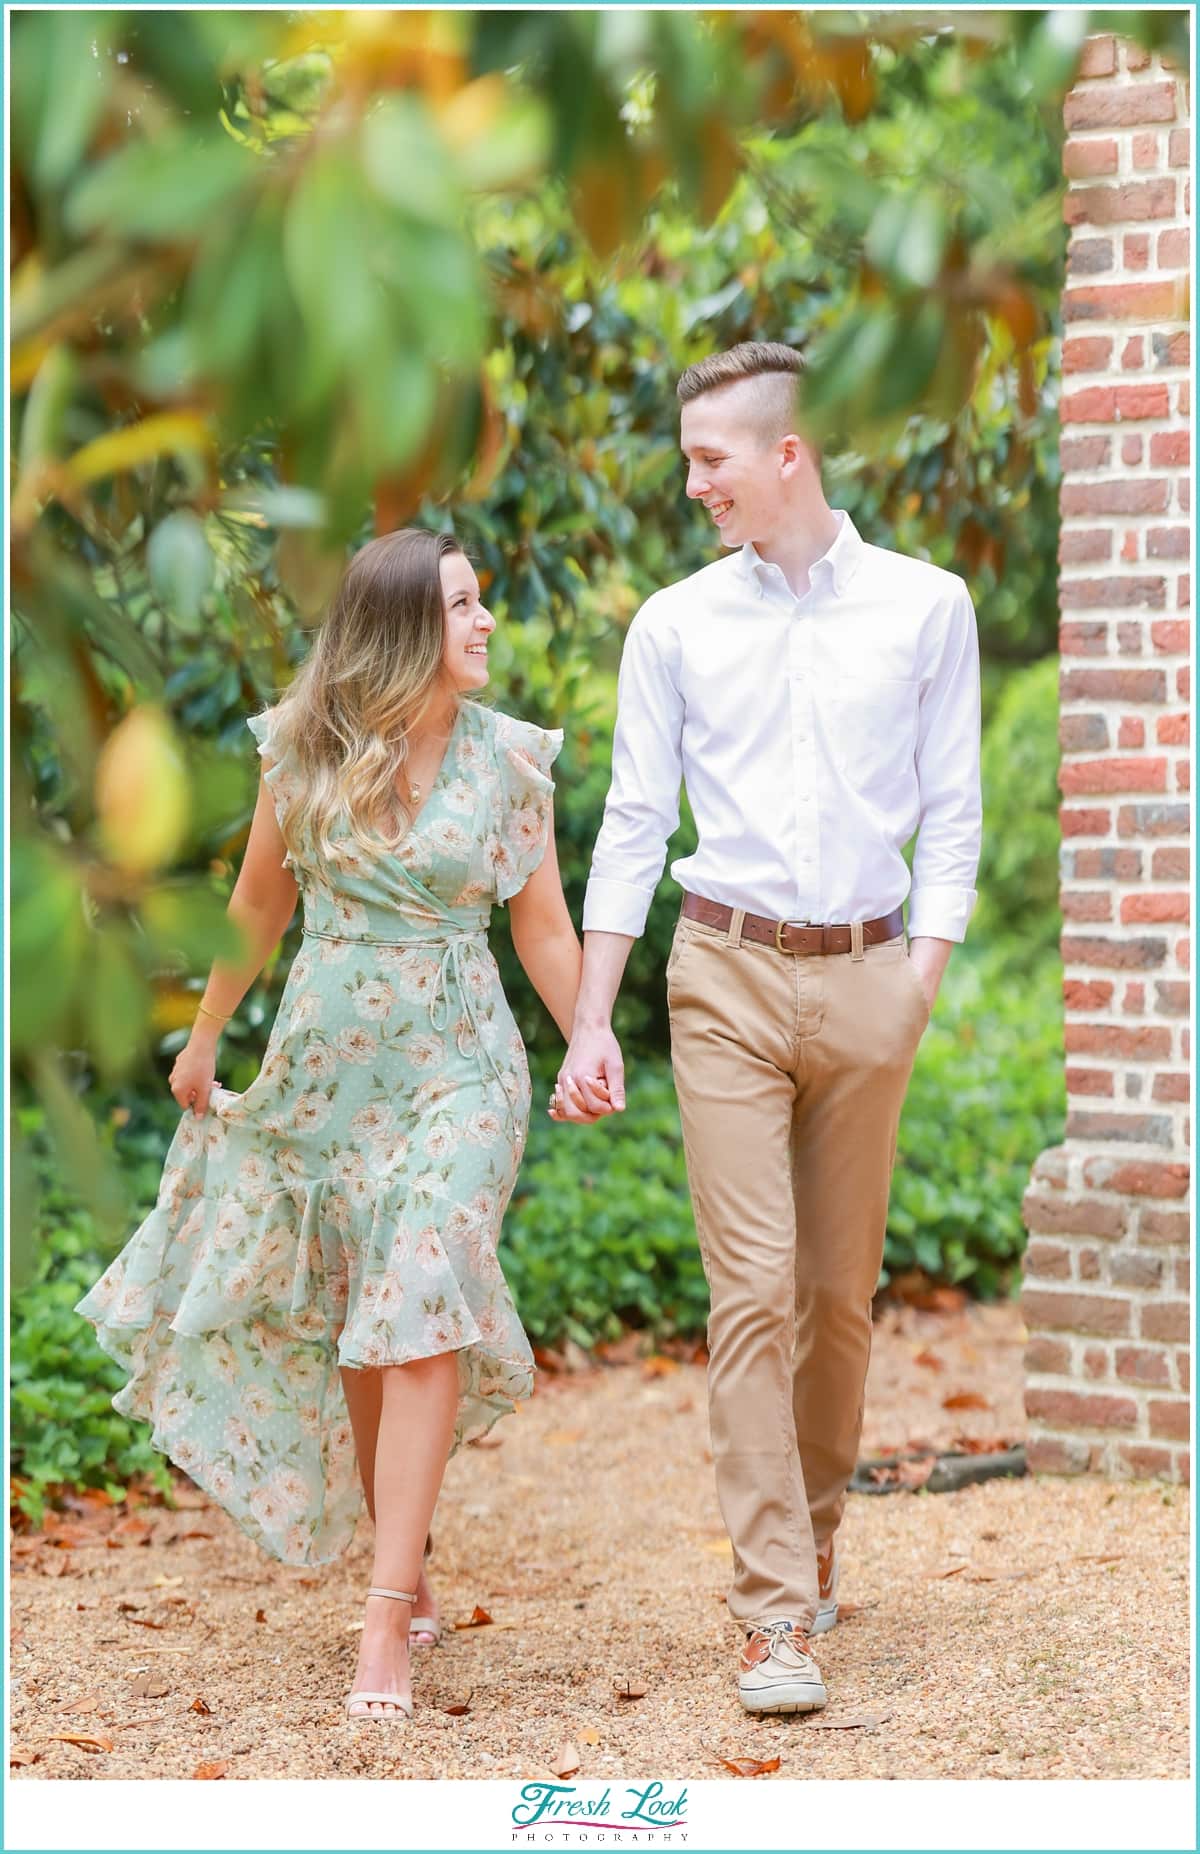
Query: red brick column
1106, 1299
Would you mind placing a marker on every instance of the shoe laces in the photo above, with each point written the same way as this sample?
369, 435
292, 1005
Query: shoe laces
777, 1633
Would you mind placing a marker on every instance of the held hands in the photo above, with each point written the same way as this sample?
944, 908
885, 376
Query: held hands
192, 1077
591, 1081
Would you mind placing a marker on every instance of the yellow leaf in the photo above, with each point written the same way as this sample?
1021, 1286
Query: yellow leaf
589, 1738
164, 433
719, 1545
141, 791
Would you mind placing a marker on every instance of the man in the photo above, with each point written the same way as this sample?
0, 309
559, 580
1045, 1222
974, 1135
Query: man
820, 698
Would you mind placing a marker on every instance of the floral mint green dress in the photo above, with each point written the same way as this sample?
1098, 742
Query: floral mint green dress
345, 1210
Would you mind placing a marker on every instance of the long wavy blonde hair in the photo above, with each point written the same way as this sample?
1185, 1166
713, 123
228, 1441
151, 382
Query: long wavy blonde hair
370, 675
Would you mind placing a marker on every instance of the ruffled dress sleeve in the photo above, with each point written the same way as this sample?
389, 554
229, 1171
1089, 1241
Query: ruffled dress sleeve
524, 756
276, 771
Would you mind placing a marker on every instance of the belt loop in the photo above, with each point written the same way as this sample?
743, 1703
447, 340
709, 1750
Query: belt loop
733, 936
856, 939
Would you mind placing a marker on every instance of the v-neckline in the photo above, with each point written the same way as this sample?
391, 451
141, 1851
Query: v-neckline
434, 783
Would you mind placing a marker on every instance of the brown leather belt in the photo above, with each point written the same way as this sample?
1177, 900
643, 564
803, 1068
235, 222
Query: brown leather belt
792, 936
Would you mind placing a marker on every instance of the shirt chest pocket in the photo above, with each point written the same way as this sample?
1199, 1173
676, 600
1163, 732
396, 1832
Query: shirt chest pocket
871, 729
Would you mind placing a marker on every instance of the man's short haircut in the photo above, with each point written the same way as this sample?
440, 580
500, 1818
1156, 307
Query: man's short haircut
773, 369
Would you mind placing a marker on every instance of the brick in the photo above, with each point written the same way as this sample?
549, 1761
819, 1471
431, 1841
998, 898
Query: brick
1087, 1262
1091, 160
1183, 495
1072, 1409
1079, 594
1102, 1314
1183, 775
1108, 863
1183, 955
1087, 453
1150, 401
1139, 1365
1135, 251
1183, 1283
1113, 685
1134, 496
1083, 639
1129, 637
1172, 730
1165, 1226
1183, 682
1179, 148
1134, 999
1086, 353
1087, 257
1166, 1319
1128, 1269
1153, 821
1087, 994
1133, 354
1098, 56
1082, 733
1137, 1129
1170, 1418
1171, 1088
1134, 1086
1095, 1362
1147, 1464
1145, 151
1131, 551
1079, 778
1086, 905
1089, 1081
1049, 1356
1170, 350
1184, 599
1132, 201
1049, 1260
1174, 250
1183, 1369
1168, 543
1074, 1216
1172, 998
1084, 823
1132, 732
1088, 405
1053, 1167
1183, 398
1173, 863
1137, 952
1168, 449
1110, 106
1160, 301
1131, 449
1171, 635
1056, 1455
1135, 59
1124, 1042
1154, 907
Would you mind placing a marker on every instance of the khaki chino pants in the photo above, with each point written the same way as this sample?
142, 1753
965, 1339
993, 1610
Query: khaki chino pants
791, 1074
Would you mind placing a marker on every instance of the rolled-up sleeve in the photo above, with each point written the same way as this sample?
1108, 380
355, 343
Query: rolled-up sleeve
949, 834
642, 808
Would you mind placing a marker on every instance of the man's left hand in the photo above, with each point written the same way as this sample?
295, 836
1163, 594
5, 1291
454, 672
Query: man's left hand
929, 959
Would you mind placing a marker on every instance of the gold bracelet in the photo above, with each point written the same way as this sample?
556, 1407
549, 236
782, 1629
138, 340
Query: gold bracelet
214, 1014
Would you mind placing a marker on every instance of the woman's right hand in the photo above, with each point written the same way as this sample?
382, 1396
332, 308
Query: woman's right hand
194, 1072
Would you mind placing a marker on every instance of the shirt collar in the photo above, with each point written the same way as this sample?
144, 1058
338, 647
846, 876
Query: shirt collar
833, 568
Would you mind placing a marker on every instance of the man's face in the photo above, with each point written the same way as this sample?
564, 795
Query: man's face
731, 469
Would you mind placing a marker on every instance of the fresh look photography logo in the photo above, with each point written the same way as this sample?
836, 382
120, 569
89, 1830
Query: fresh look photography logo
630, 1815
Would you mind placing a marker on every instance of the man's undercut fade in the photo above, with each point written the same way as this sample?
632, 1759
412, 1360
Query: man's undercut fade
768, 370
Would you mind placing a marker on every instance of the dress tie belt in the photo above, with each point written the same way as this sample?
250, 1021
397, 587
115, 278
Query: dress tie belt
449, 966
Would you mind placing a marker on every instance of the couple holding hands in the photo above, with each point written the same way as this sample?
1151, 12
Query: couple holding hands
314, 1312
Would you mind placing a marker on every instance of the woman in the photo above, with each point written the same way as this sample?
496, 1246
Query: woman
318, 1281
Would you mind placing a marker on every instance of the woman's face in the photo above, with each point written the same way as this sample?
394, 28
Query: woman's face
468, 625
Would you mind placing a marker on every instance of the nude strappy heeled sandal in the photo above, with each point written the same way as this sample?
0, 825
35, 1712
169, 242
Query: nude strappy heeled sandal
404, 1707
425, 1625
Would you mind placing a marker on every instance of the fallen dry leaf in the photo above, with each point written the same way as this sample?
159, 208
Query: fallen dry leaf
208, 1773
590, 1737
178, 1538
951, 1570
847, 1721
457, 1708
930, 1360
149, 1686
486, 1442
628, 1690
190, 1500
201, 1706
965, 1400
719, 1545
87, 1702
1099, 1557
23, 1754
84, 1740
846, 1610
478, 1619
567, 1761
658, 1366
260, 1615
162, 1582
749, 1766
143, 1622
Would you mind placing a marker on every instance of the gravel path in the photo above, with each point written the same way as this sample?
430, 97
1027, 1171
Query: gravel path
1001, 1630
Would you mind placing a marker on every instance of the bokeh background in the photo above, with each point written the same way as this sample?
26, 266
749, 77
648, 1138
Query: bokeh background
283, 281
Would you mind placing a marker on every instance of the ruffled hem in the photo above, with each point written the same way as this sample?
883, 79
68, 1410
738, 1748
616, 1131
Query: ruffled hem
525, 758
275, 773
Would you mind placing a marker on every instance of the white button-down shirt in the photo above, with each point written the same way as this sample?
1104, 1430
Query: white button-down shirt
814, 736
